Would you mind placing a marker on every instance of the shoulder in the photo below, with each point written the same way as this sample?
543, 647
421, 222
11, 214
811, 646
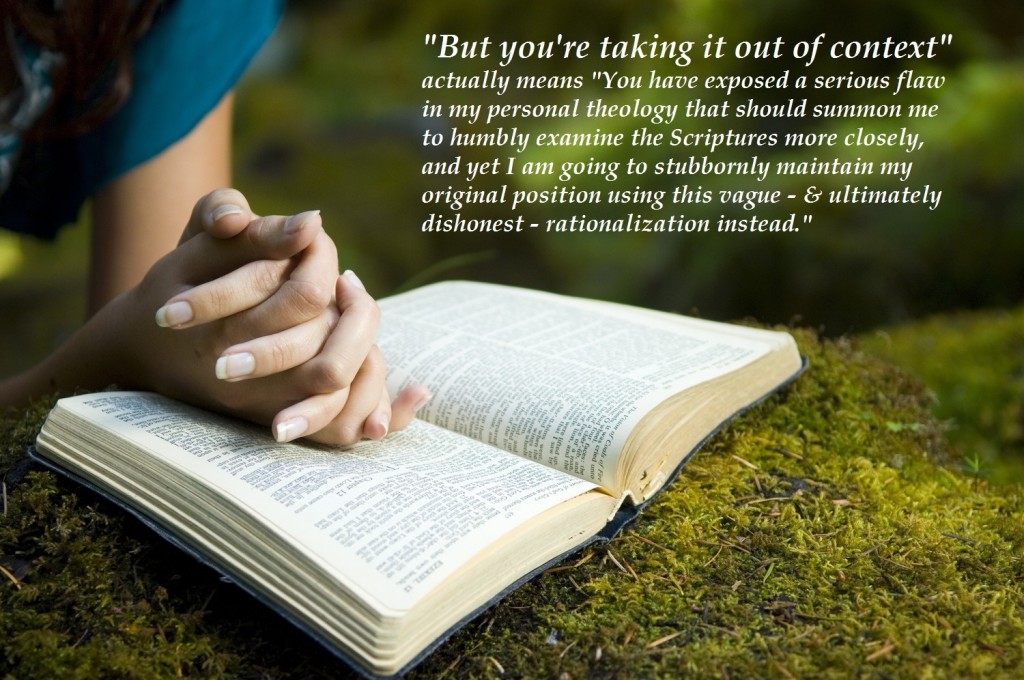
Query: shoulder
192, 56
197, 41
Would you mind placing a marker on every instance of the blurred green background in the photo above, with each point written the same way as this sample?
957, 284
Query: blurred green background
330, 118
338, 127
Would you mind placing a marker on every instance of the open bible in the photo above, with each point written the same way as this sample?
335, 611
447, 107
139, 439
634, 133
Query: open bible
554, 419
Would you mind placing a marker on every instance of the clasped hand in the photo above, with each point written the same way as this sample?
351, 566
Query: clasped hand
253, 319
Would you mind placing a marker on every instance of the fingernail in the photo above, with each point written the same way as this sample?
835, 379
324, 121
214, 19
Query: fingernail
422, 402
290, 429
297, 222
383, 423
223, 211
235, 366
174, 314
353, 279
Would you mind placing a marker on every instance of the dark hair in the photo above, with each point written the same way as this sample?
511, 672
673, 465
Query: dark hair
95, 38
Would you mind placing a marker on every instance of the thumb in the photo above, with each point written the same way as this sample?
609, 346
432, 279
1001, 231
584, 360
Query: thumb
222, 213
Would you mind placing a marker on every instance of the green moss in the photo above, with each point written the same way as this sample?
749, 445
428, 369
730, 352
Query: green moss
829, 532
812, 538
974, 364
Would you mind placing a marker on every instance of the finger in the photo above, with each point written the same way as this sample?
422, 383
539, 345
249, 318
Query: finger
278, 236
362, 408
204, 258
304, 294
307, 416
234, 292
378, 423
405, 406
222, 213
349, 344
394, 416
337, 418
275, 353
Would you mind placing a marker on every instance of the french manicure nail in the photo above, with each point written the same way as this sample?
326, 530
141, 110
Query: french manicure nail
235, 366
422, 402
383, 422
223, 211
293, 428
174, 314
297, 222
353, 279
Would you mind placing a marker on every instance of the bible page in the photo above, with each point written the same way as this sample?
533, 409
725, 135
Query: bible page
398, 516
554, 379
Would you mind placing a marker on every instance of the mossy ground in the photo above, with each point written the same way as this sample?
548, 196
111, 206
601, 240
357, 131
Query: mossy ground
974, 363
830, 532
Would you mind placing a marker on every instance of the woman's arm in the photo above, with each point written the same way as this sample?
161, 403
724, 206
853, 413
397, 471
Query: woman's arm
124, 344
333, 392
138, 217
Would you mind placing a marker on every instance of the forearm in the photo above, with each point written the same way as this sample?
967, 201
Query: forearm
331, 384
138, 217
91, 359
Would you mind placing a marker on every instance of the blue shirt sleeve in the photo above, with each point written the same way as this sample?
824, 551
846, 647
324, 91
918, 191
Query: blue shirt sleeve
192, 56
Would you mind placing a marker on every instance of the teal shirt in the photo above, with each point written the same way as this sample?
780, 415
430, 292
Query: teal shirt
192, 56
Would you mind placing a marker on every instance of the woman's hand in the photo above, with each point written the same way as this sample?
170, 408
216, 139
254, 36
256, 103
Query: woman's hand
277, 287
276, 274
336, 415
246, 316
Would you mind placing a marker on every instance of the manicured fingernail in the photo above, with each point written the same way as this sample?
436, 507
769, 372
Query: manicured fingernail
223, 211
291, 429
235, 366
297, 222
422, 402
174, 314
381, 422
353, 279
